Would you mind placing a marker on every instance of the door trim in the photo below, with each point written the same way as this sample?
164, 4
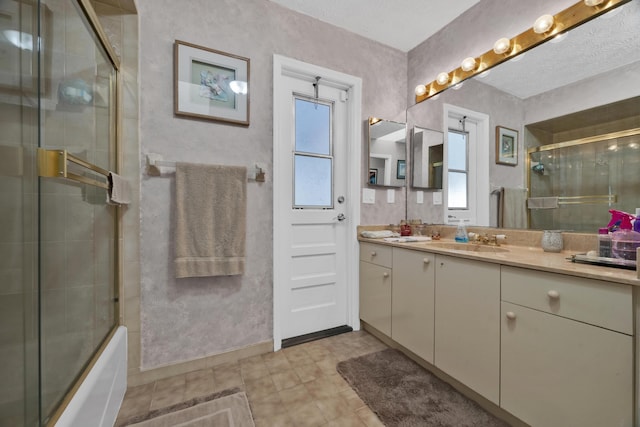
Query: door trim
283, 66
482, 161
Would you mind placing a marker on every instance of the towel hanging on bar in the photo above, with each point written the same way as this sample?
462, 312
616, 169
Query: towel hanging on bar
542, 202
211, 202
119, 191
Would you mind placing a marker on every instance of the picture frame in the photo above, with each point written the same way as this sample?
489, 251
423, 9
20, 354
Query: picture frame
506, 146
401, 171
210, 84
373, 176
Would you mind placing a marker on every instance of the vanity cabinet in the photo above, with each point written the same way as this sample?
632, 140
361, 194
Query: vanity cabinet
566, 350
412, 301
375, 286
467, 323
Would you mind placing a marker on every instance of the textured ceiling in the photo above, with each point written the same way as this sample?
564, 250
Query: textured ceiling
402, 24
599, 46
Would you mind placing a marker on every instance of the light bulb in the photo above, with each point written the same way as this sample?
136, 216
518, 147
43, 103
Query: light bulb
592, 2
420, 90
468, 64
502, 46
543, 24
442, 79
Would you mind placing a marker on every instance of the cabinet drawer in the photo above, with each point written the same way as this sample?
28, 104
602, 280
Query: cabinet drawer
376, 254
596, 302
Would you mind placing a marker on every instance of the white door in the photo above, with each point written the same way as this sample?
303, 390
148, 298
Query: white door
313, 215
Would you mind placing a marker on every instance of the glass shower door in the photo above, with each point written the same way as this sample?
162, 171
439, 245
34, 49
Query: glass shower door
19, 393
77, 226
58, 299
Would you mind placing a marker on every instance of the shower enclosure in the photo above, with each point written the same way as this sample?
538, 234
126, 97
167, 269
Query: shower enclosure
579, 181
58, 239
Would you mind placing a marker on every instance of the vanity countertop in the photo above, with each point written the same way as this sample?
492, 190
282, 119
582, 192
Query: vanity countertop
523, 256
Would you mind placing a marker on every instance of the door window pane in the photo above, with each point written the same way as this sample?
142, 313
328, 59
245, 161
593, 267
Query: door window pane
312, 181
313, 127
457, 191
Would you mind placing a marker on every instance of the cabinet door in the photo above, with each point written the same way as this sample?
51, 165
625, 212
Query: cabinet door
375, 296
412, 301
560, 372
467, 323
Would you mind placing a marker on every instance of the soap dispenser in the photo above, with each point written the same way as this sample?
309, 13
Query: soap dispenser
461, 233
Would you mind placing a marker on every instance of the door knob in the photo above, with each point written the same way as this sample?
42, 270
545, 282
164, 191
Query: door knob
510, 315
341, 217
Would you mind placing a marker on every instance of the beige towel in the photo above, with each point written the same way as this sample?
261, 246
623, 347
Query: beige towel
119, 192
513, 210
211, 204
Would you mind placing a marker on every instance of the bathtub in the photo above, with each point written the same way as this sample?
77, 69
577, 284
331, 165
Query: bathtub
98, 399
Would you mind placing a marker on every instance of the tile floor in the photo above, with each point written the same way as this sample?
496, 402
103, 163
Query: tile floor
298, 386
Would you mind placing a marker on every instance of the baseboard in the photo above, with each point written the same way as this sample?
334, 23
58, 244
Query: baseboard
158, 373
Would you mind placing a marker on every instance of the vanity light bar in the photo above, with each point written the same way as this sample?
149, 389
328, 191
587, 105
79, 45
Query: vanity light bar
571, 17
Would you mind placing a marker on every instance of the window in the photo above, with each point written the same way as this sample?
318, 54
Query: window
313, 154
458, 170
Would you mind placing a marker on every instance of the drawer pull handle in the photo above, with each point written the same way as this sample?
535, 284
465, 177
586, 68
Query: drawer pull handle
385, 274
553, 294
426, 260
510, 315
373, 253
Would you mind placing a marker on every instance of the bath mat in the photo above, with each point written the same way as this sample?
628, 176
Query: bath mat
404, 394
217, 410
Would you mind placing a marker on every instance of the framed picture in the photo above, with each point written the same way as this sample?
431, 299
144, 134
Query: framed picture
373, 176
210, 84
506, 146
401, 172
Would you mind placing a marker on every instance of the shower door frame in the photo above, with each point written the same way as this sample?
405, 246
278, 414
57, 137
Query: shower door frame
115, 89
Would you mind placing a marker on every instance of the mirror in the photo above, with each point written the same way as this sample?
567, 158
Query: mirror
549, 91
427, 151
387, 153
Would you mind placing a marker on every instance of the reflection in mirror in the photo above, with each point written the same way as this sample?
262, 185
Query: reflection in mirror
427, 150
573, 184
387, 153
581, 87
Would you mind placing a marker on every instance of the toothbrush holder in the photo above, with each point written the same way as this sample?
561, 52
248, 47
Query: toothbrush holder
552, 240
